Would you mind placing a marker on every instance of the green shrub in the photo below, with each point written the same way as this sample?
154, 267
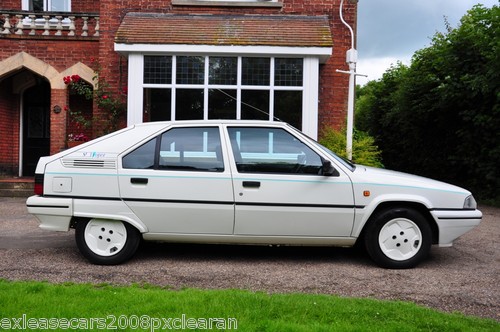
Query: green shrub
364, 150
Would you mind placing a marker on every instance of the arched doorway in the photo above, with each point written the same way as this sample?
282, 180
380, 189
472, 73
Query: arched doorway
35, 125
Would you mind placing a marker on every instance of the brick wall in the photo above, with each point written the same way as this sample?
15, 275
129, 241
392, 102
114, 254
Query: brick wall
85, 6
9, 129
11, 4
58, 121
61, 54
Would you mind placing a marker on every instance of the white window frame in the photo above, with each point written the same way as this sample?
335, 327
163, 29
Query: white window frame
46, 5
312, 56
40, 21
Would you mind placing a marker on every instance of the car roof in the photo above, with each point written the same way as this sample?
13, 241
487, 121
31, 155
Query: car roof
214, 122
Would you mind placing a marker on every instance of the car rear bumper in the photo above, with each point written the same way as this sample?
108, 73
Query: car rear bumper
454, 223
53, 213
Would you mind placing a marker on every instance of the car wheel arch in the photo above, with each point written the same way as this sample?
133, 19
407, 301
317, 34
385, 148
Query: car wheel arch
137, 225
388, 205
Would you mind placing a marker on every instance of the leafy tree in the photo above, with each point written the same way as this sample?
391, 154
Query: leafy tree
376, 111
439, 117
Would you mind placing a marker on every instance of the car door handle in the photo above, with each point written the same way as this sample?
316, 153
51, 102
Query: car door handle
251, 184
139, 180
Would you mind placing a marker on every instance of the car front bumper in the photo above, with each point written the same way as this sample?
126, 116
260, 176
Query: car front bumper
454, 223
53, 213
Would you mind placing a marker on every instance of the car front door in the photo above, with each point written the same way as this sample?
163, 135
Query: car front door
178, 182
280, 189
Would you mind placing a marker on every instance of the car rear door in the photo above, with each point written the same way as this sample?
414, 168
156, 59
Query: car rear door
279, 188
179, 182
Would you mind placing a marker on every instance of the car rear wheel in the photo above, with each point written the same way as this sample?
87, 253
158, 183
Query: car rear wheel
398, 238
106, 242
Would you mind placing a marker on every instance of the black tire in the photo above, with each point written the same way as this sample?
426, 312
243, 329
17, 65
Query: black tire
398, 238
106, 242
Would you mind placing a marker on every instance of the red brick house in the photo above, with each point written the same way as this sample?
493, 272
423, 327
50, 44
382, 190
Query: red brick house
175, 59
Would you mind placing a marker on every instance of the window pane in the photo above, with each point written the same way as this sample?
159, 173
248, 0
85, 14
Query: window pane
157, 69
250, 140
191, 149
36, 5
141, 158
288, 107
255, 105
288, 72
157, 105
268, 150
59, 5
222, 70
189, 104
221, 104
190, 69
255, 71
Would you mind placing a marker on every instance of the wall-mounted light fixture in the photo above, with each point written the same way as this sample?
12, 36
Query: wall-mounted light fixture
57, 109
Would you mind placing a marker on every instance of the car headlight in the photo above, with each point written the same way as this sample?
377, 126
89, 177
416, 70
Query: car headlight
470, 203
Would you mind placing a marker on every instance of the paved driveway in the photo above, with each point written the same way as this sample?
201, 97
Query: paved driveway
463, 278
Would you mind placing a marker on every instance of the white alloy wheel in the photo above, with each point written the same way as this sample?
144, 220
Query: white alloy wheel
105, 237
400, 239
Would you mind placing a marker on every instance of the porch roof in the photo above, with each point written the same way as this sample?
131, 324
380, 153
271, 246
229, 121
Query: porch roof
225, 30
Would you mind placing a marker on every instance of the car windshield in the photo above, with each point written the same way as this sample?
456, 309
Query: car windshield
341, 160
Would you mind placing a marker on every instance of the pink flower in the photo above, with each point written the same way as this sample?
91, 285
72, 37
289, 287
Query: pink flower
78, 137
75, 78
105, 97
67, 80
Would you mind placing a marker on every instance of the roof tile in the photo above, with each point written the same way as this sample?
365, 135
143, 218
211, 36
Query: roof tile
242, 30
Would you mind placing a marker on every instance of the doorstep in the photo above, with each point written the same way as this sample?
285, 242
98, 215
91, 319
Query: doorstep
17, 186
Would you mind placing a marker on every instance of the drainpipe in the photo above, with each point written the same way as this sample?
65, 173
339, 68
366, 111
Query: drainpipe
351, 59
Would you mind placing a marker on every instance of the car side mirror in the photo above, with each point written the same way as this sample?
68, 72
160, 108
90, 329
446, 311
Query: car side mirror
328, 169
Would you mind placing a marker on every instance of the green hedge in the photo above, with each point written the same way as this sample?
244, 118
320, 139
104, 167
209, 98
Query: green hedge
364, 150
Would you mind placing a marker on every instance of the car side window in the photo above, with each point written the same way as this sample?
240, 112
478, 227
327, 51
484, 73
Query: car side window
191, 149
272, 150
141, 158
187, 149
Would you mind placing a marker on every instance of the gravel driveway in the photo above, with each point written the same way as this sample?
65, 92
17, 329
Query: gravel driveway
463, 278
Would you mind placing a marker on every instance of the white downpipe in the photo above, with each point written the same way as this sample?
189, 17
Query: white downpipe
351, 59
350, 110
345, 23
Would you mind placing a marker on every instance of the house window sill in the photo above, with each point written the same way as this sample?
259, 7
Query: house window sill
217, 3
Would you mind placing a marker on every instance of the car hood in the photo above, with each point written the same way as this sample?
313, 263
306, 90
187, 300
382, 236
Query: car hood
371, 175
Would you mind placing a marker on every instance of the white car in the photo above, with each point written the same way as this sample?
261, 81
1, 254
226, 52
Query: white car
250, 182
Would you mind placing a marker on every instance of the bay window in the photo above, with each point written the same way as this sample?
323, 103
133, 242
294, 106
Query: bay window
193, 87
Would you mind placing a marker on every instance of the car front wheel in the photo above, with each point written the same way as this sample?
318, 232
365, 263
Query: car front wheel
398, 238
106, 242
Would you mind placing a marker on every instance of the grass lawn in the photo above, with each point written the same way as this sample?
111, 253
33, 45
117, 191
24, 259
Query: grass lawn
32, 305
